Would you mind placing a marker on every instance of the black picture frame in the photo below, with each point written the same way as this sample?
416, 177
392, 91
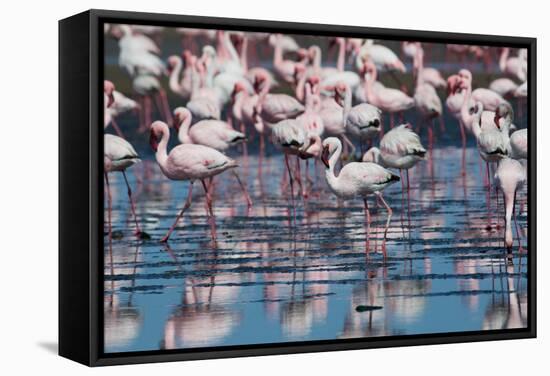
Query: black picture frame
81, 187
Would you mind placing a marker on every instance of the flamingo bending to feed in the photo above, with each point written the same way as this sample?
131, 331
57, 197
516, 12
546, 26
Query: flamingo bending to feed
387, 99
215, 134
357, 179
188, 162
118, 155
510, 177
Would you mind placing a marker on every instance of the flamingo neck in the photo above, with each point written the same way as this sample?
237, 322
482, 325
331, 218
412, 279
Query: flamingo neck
277, 52
183, 133
464, 110
347, 105
372, 98
244, 54
340, 64
173, 80
300, 93
317, 58
238, 105
503, 57
230, 48
332, 179
162, 149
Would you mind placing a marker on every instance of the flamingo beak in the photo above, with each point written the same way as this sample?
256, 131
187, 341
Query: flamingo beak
324, 156
497, 118
153, 141
176, 123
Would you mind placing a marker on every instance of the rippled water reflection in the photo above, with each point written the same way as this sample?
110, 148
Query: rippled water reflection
267, 281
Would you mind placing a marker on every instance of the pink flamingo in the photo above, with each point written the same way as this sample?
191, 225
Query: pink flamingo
518, 144
427, 75
285, 69
357, 179
515, 66
188, 162
505, 87
510, 177
108, 100
387, 99
215, 134
184, 86
122, 104
118, 155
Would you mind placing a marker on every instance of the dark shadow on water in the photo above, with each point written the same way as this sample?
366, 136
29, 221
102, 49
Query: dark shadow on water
51, 347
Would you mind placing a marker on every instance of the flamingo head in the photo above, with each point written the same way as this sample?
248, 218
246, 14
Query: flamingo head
108, 89
369, 67
465, 77
313, 81
158, 128
503, 111
302, 54
329, 146
238, 88
180, 115
453, 82
172, 62
340, 90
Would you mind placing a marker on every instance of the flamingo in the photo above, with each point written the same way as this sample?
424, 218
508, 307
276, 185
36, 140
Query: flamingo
108, 100
188, 162
184, 86
357, 179
120, 105
215, 134
388, 100
361, 121
285, 69
401, 149
273, 108
510, 177
289, 136
118, 155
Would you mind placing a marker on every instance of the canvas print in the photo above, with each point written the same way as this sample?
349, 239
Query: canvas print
265, 188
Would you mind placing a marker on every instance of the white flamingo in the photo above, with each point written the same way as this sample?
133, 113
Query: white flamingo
357, 180
188, 162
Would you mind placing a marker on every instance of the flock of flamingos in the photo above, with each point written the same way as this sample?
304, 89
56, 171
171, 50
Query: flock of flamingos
334, 112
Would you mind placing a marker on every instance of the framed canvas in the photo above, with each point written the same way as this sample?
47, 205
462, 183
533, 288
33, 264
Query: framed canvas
235, 187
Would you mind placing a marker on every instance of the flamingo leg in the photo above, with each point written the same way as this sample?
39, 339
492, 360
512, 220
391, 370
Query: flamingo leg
408, 199
516, 224
158, 105
243, 188
402, 197
147, 109
291, 186
298, 178
138, 232
390, 212
367, 226
489, 219
209, 211
109, 219
349, 143
463, 137
185, 207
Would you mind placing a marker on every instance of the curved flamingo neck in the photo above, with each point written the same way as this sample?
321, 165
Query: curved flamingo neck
372, 98
173, 80
467, 118
331, 176
244, 54
183, 132
503, 57
162, 149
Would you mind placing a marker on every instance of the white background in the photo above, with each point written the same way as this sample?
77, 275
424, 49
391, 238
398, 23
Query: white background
28, 187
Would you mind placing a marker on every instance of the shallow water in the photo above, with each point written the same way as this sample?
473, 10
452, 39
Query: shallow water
270, 281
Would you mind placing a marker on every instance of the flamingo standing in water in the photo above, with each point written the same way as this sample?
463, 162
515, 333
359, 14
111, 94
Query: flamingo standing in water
118, 155
357, 179
215, 134
401, 149
510, 177
188, 162
387, 99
